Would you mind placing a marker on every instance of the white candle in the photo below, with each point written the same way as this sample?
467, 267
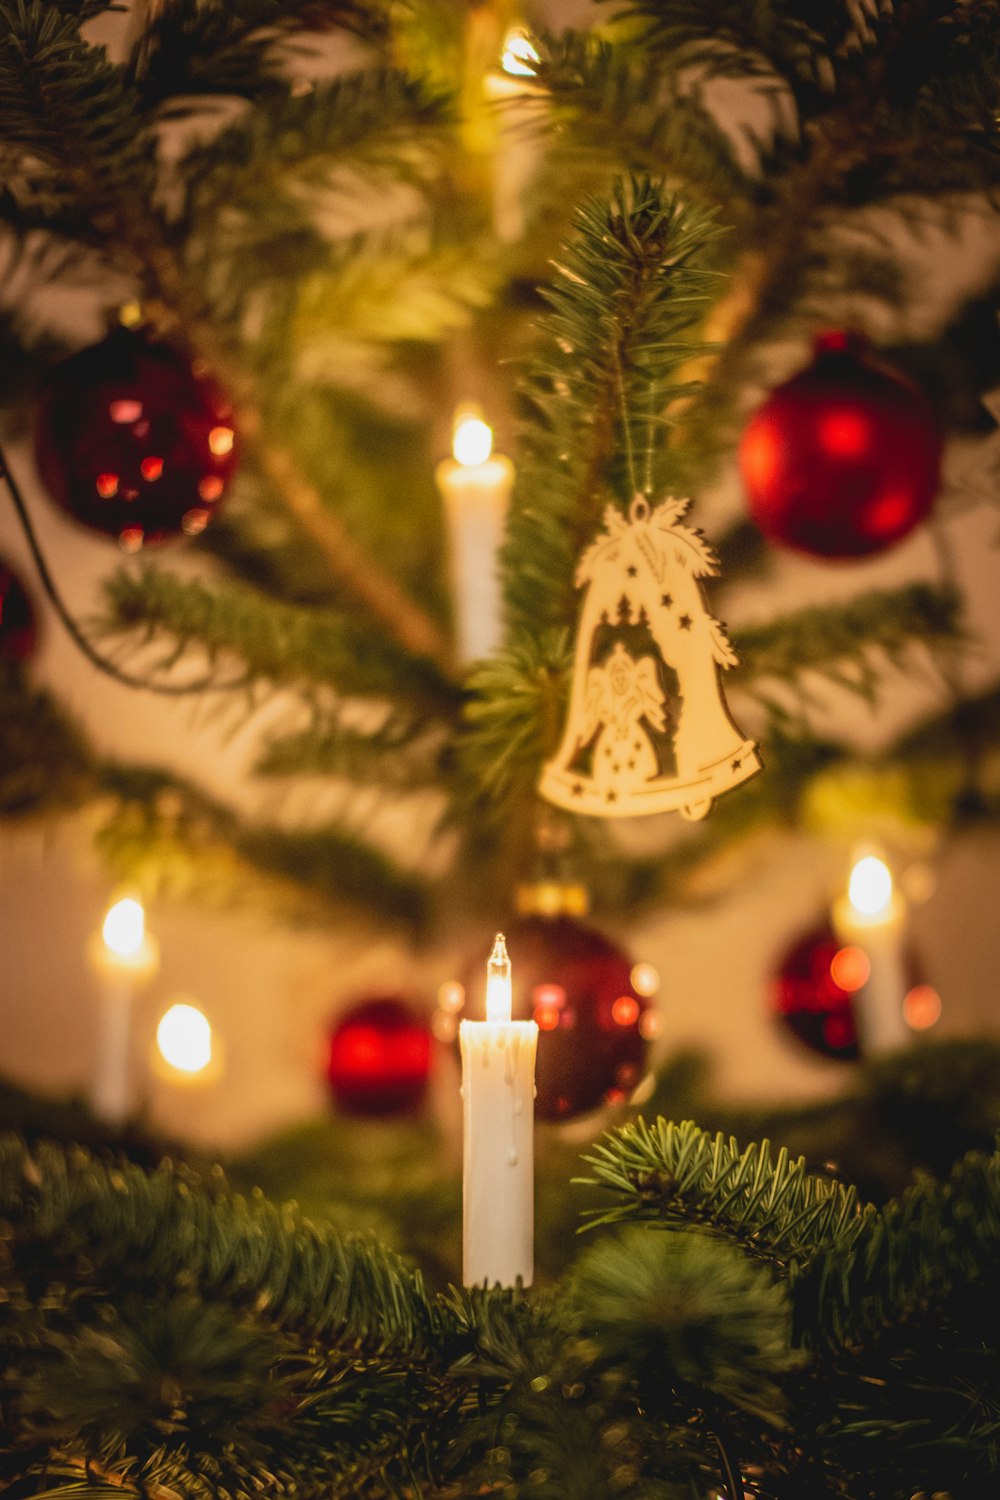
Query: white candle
498, 1093
475, 485
872, 914
123, 956
520, 131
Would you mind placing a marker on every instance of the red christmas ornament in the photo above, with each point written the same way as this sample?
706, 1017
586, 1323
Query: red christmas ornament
18, 632
813, 992
592, 1021
134, 441
818, 988
380, 1058
845, 458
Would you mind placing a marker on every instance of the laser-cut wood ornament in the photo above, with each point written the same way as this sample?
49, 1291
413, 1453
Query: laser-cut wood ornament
648, 730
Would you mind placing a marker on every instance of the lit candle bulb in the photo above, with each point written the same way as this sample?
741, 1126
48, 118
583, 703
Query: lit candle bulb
872, 915
124, 957
498, 1092
475, 485
184, 1040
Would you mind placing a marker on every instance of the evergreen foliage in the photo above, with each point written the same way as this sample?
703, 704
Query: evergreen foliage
336, 345
321, 232
160, 1332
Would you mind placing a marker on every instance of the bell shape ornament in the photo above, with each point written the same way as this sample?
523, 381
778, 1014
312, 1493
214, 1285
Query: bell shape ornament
648, 729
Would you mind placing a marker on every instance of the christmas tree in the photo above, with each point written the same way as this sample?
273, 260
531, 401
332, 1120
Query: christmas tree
303, 239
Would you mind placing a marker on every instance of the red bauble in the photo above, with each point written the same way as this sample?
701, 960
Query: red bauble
18, 632
808, 999
577, 985
380, 1057
844, 459
819, 988
134, 441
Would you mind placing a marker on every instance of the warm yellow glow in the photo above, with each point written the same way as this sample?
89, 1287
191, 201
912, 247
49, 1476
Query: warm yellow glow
125, 928
472, 442
451, 996
869, 889
184, 1038
850, 968
220, 441
922, 1007
645, 980
650, 1025
498, 990
520, 55
625, 1011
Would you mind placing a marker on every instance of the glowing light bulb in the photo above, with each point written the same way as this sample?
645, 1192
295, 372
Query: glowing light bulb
922, 1007
184, 1038
520, 56
869, 889
498, 986
451, 997
220, 441
472, 441
644, 979
125, 928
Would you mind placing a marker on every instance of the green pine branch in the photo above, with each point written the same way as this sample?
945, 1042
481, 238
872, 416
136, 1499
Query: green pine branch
620, 102
760, 39
401, 754
837, 641
241, 1252
624, 305
677, 1174
910, 1258
283, 645
369, 121
67, 110
194, 48
46, 763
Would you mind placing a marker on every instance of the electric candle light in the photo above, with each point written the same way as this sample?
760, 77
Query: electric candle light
513, 90
184, 1039
124, 956
475, 485
498, 1090
872, 915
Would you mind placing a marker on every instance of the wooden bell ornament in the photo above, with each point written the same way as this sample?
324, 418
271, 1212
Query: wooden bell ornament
648, 730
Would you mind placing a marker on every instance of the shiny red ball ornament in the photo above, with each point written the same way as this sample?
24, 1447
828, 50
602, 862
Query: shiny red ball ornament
379, 1059
813, 992
818, 993
844, 459
18, 630
577, 985
135, 441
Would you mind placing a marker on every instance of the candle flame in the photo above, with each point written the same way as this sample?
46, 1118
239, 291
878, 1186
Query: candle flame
124, 927
520, 55
498, 989
184, 1037
472, 440
869, 889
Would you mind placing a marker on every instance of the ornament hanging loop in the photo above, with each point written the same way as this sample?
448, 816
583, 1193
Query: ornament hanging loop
639, 509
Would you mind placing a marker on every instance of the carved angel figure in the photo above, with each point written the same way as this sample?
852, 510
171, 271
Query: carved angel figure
619, 695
